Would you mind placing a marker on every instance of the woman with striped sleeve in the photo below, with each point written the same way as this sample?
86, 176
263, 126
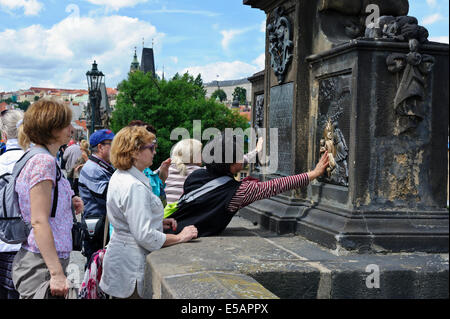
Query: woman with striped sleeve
213, 211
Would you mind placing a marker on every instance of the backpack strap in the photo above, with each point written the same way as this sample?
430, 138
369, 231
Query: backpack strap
211, 185
55, 193
20, 164
102, 164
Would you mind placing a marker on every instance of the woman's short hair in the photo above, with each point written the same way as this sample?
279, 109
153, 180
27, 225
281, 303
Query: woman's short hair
42, 118
8, 123
188, 151
127, 142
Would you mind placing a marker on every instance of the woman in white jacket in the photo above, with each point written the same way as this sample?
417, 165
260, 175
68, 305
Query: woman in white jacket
136, 215
9, 121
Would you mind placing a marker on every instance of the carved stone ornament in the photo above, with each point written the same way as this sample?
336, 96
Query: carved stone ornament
401, 28
411, 90
280, 43
259, 122
259, 112
413, 67
333, 141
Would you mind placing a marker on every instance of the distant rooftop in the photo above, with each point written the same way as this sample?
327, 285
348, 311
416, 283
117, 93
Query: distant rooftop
228, 83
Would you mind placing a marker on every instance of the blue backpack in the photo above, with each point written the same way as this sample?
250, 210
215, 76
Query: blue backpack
13, 229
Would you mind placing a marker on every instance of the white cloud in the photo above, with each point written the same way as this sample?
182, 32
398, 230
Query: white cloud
442, 39
174, 59
432, 19
431, 3
116, 4
30, 7
263, 26
228, 36
226, 70
183, 11
260, 61
64, 52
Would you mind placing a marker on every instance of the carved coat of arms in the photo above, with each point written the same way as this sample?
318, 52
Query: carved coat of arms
280, 43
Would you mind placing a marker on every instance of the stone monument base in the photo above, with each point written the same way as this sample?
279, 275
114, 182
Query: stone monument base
363, 232
245, 262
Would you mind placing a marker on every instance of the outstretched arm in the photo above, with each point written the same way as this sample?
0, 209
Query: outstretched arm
252, 190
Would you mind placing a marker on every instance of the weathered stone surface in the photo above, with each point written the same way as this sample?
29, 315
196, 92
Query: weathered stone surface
387, 115
245, 262
213, 285
395, 199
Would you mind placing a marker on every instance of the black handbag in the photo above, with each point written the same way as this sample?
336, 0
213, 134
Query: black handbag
78, 230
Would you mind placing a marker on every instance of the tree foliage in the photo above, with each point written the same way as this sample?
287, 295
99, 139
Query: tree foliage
168, 105
219, 93
240, 94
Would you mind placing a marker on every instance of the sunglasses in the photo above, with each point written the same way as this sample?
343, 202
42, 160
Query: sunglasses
151, 147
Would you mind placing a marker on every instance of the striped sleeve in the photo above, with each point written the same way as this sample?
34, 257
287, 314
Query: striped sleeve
252, 190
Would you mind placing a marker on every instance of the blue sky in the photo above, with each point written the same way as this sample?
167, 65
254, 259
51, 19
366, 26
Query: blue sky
52, 43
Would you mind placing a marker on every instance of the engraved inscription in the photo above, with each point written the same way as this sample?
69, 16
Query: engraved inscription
280, 116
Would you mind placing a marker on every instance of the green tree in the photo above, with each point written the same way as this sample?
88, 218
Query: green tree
24, 105
168, 105
240, 94
219, 93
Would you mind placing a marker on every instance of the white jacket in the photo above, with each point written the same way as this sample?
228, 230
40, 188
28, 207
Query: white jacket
7, 161
136, 215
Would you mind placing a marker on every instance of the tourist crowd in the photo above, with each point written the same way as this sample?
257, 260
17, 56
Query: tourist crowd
127, 210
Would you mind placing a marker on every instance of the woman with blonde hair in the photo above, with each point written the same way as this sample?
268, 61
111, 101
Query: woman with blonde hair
136, 215
186, 157
45, 254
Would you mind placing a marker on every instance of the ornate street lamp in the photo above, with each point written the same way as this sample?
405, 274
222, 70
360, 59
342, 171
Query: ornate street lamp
95, 79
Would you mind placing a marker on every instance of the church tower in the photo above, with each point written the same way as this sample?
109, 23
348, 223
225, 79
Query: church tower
135, 64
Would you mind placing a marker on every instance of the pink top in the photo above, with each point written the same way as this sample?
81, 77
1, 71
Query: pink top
39, 168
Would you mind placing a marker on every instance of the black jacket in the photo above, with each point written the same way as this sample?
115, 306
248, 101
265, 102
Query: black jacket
209, 212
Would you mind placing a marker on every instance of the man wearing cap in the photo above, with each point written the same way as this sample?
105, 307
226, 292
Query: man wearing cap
93, 185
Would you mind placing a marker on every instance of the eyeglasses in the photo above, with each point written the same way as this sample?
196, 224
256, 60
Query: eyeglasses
151, 147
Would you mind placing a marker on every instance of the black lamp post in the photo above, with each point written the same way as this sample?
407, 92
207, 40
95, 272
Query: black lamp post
94, 78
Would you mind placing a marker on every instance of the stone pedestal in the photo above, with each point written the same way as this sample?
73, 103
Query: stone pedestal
394, 196
386, 112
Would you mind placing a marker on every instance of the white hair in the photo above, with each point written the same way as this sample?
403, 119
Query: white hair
188, 151
8, 122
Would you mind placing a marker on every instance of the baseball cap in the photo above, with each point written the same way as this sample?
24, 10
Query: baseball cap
100, 136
